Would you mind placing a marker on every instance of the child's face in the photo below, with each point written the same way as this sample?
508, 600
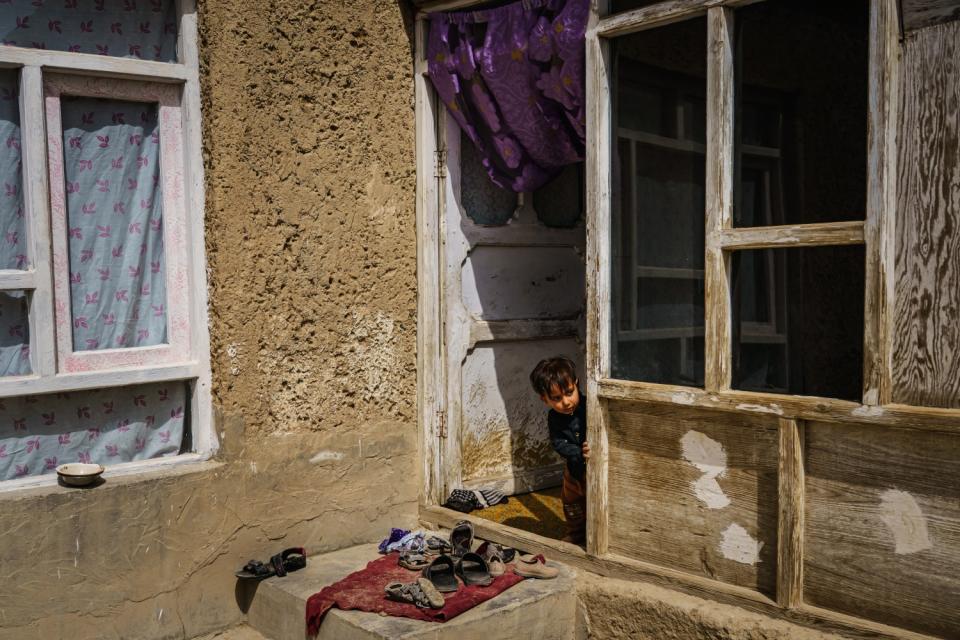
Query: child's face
563, 400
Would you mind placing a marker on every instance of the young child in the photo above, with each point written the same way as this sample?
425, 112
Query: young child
555, 381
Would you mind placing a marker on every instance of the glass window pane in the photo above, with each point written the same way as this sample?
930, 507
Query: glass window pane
13, 241
560, 202
484, 202
105, 426
801, 114
144, 29
658, 227
792, 334
114, 211
14, 334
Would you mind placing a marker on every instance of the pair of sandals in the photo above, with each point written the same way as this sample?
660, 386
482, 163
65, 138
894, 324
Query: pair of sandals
471, 568
279, 565
421, 593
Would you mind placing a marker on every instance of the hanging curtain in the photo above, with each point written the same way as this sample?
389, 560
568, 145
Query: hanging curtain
513, 79
105, 426
111, 154
145, 29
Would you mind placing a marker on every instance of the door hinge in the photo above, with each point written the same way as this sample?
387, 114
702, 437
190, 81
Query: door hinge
442, 424
440, 163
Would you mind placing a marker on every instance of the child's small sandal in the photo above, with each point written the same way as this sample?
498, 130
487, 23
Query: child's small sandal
413, 560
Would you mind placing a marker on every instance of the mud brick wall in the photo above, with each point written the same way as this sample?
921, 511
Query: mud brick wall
308, 139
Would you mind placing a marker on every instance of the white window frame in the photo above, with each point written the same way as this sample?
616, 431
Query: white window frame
55, 366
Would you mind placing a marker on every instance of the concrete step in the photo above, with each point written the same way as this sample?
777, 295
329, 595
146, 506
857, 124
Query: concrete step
531, 609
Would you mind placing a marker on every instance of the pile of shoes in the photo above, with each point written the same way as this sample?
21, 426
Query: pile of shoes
445, 564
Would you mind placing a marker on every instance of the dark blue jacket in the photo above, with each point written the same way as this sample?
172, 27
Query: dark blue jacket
567, 434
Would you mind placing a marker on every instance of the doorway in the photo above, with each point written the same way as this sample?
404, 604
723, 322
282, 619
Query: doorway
512, 292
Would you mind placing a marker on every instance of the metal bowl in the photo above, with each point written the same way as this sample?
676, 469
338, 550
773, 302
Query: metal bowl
79, 474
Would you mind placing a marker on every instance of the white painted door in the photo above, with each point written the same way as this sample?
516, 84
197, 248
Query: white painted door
513, 294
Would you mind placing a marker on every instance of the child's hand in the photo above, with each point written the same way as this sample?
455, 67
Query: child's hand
585, 448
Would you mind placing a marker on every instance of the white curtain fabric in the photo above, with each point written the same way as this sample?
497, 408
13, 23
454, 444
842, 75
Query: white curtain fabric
144, 29
111, 154
105, 426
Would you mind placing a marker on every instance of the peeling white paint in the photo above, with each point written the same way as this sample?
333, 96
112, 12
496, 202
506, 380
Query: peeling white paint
323, 456
683, 397
903, 517
868, 412
760, 408
160, 617
708, 456
738, 545
253, 467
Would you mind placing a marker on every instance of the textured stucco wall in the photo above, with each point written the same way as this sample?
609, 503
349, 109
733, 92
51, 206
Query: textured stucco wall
612, 609
309, 153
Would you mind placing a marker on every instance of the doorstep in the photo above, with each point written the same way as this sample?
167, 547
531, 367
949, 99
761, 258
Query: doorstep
529, 609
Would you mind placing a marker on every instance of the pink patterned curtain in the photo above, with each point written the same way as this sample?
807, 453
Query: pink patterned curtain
144, 29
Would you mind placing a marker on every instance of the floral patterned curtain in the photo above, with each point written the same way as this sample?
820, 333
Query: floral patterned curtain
144, 29
107, 426
513, 79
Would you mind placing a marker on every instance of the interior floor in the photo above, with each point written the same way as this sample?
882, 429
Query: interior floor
539, 512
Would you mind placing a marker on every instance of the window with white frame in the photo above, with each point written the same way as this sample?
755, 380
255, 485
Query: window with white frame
103, 345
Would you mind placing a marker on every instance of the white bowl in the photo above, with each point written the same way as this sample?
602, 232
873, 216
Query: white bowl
79, 474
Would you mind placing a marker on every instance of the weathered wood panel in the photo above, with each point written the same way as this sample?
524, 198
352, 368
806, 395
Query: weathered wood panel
882, 534
791, 511
925, 13
926, 342
695, 490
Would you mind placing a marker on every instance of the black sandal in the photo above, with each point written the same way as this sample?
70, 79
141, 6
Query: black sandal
473, 570
461, 538
280, 565
441, 574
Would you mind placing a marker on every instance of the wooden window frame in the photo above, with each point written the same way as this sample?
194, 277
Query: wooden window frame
875, 232
43, 76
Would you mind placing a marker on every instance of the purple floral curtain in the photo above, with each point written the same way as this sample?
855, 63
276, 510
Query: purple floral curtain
513, 79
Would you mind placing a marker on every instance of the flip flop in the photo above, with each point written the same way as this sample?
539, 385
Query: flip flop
441, 574
413, 560
279, 565
461, 538
473, 570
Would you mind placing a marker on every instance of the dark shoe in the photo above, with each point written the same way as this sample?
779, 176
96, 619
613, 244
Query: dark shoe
461, 538
473, 570
441, 574
284, 562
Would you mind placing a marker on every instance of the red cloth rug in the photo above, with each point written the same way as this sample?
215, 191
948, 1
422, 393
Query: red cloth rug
363, 591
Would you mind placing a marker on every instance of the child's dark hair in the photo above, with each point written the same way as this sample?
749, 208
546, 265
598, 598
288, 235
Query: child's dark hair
557, 371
